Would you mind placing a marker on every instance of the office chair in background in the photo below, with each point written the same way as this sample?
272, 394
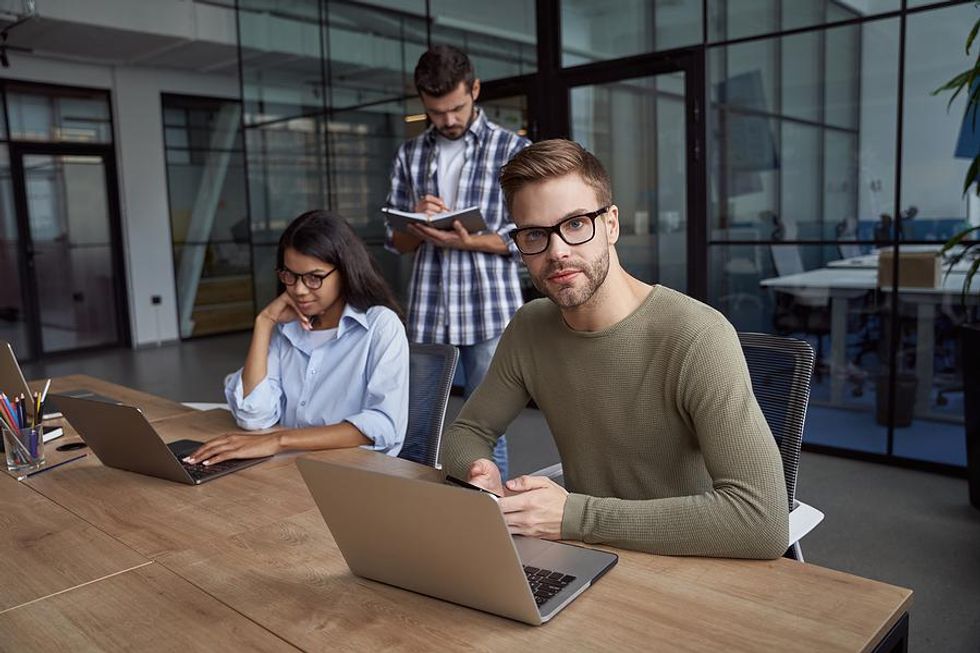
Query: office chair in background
781, 369
430, 378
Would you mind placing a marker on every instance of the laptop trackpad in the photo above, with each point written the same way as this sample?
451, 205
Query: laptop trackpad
530, 548
182, 448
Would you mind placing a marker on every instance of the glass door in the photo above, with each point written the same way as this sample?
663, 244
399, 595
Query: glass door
73, 282
637, 128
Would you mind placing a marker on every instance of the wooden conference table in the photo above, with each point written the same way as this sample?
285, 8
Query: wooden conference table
97, 558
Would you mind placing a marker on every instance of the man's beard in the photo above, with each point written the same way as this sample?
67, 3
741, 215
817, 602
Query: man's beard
463, 130
572, 296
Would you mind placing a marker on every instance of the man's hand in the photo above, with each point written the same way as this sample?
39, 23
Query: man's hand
235, 445
458, 238
484, 473
535, 506
430, 205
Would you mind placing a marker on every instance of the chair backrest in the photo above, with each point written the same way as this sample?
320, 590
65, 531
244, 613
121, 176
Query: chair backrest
430, 378
781, 369
786, 259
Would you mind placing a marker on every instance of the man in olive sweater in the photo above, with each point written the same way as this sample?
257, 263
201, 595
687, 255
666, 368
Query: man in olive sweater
645, 390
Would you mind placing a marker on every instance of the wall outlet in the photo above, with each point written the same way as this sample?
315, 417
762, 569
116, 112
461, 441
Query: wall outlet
155, 300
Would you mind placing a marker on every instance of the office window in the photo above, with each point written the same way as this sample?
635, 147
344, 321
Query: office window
3, 117
59, 115
281, 52
935, 159
737, 19
286, 177
13, 324
208, 214
499, 37
938, 147
609, 29
371, 50
636, 127
806, 152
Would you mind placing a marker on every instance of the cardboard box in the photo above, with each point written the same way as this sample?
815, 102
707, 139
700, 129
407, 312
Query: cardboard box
916, 269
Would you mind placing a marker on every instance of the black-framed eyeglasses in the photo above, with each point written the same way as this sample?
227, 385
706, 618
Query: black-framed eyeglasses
311, 280
574, 230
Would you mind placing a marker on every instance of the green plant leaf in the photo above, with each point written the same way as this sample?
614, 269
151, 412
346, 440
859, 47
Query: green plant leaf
958, 238
968, 281
973, 35
971, 174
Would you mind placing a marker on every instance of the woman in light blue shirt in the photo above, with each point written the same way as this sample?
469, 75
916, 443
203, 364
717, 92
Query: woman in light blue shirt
328, 360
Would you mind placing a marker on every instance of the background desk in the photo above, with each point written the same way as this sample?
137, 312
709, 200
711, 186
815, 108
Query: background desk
248, 554
870, 261
843, 284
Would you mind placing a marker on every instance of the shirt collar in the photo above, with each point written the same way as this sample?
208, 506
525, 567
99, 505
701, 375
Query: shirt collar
350, 318
477, 128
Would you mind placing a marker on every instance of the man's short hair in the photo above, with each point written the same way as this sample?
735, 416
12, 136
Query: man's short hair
552, 159
440, 70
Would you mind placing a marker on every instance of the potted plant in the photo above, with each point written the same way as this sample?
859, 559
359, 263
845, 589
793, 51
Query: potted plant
966, 245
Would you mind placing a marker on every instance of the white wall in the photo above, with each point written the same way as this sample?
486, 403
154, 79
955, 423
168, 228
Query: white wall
141, 167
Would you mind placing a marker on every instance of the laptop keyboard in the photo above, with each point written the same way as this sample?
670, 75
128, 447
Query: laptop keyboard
198, 471
545, 584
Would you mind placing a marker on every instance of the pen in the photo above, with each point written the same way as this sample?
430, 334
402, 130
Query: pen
49, 467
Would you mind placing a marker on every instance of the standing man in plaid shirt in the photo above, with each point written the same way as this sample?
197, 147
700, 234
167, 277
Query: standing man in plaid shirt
464, 287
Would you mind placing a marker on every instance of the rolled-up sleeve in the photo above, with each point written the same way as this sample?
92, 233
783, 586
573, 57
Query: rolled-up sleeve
262, 407
383, 417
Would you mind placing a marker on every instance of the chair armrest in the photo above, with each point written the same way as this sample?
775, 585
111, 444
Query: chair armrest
197, 405
802, 519
551, 471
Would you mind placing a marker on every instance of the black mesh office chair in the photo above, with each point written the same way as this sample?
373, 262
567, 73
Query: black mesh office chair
781, 369
430, 378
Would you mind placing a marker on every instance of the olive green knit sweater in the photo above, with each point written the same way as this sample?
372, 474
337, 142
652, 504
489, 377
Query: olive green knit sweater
663, 445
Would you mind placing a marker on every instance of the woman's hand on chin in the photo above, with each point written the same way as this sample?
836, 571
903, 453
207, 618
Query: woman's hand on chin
283, 309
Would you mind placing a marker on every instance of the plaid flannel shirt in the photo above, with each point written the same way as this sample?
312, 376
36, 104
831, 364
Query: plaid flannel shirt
455, 296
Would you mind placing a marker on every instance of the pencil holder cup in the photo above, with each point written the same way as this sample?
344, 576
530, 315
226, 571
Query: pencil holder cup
23, 448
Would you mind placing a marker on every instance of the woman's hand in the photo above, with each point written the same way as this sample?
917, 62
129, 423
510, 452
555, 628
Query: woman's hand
283, 309
236, 445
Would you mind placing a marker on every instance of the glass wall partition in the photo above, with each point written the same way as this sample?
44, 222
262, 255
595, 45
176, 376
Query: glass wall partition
208, 214
763, 178
802, 158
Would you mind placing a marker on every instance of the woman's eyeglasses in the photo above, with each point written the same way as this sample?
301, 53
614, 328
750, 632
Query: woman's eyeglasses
311, 280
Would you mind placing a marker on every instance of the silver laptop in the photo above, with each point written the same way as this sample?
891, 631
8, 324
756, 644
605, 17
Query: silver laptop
13, 383
121, 437
448, 542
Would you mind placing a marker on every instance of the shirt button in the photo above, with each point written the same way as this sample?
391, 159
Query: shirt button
302, 403
312, 371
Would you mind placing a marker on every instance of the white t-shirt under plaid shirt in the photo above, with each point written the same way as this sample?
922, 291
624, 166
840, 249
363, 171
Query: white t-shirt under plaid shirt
457, 296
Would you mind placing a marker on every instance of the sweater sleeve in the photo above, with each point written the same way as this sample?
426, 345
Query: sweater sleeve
491, 408
745, 513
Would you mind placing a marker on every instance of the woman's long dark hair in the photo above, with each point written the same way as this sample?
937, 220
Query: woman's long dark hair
327, 236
